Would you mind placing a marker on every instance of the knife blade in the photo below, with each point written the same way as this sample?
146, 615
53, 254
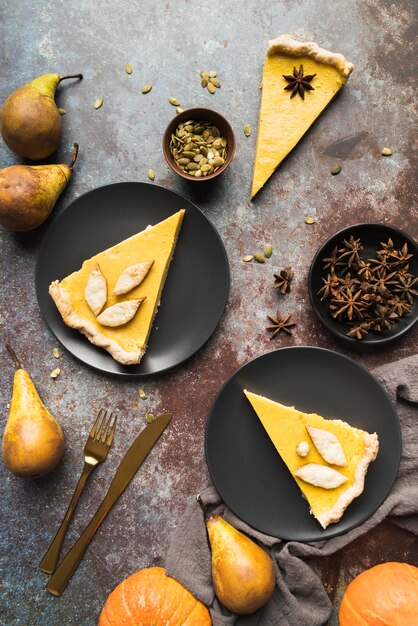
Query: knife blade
127, 469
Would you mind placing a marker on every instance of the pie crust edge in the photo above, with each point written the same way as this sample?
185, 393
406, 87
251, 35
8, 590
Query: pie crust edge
334, 514
286, 44
88, 329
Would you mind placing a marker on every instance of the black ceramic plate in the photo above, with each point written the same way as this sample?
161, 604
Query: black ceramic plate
197, 285
371, 235
244, 465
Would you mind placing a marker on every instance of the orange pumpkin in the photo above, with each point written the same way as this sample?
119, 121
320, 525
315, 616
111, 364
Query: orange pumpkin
384, 595
151, 598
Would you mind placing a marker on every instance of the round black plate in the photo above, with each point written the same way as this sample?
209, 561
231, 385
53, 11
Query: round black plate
371, 235
248, 472
197, 285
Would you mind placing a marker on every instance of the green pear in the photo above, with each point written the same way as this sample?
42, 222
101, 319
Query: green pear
242, 573
28, 193
29, 118
33, 442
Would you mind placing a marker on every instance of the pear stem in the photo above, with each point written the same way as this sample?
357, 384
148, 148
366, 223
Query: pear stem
14, 357
80, 76
201, 503
75, 154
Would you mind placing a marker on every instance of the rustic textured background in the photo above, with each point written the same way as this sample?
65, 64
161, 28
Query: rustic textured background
168, 43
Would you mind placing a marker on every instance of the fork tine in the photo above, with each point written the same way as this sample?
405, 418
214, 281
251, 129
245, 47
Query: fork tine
98, 418
98, 434
112, 432
106, 429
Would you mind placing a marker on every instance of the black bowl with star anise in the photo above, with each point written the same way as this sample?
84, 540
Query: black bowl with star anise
363, 283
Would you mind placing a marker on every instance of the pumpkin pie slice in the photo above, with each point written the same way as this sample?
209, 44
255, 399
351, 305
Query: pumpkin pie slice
126, 342
299, 80
289, 430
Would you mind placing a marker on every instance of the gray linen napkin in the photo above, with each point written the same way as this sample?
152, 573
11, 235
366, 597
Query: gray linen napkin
299, 598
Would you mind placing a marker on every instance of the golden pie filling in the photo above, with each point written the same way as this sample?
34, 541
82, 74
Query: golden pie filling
286, 427
126, 343
283, 120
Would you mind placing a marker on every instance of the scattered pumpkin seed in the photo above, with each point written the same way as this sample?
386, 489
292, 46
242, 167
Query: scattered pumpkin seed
150, 417
204, 81
247, 130
336, 170
146, 88
211, 88
98, 103
215, 82
247, 258
260, 258
179, 109
56, 353
61, 111
387, 152
55, 373
142, 394
268, 251
174, 102
309, 220
212, 74
151, 174
128, 68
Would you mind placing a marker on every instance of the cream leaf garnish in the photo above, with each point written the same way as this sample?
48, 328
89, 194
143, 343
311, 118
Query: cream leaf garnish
132, 277
119, 314
327, 445
95, 292
320, 476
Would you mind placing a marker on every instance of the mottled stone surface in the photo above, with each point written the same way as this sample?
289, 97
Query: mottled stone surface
167, 43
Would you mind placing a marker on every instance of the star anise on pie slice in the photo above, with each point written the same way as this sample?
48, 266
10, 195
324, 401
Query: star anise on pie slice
281, 323
283, 279
359, 331
298, 83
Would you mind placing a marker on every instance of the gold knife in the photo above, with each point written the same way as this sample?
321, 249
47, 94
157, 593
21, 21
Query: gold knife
127, 469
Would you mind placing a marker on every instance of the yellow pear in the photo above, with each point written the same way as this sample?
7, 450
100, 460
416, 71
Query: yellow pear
33, 442
29, 118
242, 573
28, 193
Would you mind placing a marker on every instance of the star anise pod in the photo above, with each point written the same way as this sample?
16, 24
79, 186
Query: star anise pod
333, 261
399, 257
283, 279
383, 318
405, 288
364, 269
281, 323
349, 280
384, 280
298, 83
330, 287
351, 250
348, 304
359, 331
399, 306
386, 247
381, 262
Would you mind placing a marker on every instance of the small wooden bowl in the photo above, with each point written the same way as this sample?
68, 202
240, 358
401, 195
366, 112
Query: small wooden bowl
199, 114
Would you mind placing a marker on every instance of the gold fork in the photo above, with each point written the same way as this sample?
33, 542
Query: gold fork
95, 451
